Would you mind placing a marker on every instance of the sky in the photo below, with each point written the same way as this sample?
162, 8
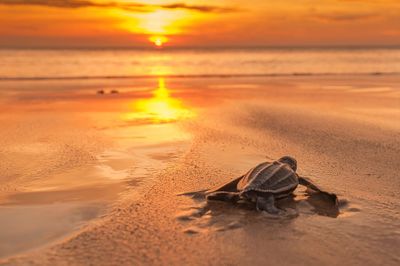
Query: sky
206, 23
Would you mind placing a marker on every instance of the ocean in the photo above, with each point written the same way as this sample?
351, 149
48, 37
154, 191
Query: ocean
17, 64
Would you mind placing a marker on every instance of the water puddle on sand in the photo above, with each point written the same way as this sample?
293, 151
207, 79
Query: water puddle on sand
201, 216
69, 159
54, 206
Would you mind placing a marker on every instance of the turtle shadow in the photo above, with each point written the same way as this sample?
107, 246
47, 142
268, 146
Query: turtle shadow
206, 215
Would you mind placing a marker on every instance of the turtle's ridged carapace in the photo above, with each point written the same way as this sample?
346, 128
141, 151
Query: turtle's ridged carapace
270, 177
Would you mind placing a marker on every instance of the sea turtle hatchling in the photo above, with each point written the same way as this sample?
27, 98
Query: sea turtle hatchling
264, 184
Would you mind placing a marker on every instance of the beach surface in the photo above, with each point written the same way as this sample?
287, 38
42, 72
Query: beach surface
98, 176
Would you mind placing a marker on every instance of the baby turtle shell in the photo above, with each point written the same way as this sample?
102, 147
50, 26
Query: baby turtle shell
275, 177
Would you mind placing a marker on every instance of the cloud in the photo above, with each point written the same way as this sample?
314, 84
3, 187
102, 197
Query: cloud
344, 17
203, 8
372, 1
134, 7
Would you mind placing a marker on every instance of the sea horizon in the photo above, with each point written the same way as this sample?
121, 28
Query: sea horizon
209, 47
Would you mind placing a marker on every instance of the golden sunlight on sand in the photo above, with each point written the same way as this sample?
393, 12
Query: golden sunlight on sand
161, 108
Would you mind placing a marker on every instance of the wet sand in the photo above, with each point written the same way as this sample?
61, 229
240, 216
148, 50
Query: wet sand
344, 132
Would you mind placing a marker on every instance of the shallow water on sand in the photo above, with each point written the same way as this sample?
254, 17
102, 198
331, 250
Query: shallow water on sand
50, 206
204, 216
62, 169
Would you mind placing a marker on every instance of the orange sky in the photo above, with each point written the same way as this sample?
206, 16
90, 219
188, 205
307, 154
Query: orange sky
98, 23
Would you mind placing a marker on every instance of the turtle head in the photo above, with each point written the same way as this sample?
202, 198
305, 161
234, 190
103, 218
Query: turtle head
289, 161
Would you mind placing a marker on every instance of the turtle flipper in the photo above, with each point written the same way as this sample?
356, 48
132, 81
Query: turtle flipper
308, 183
223, 196
230, 186
200, 194
267, 204
226, 192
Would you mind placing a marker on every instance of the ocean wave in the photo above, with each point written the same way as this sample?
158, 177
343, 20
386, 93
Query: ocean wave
5, 78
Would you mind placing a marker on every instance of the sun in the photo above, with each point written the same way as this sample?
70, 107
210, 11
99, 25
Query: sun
158, 41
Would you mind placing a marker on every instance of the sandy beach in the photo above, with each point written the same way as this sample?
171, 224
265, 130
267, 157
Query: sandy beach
99, 183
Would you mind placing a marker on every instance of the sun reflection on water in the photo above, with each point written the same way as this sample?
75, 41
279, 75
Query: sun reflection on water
161, 108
